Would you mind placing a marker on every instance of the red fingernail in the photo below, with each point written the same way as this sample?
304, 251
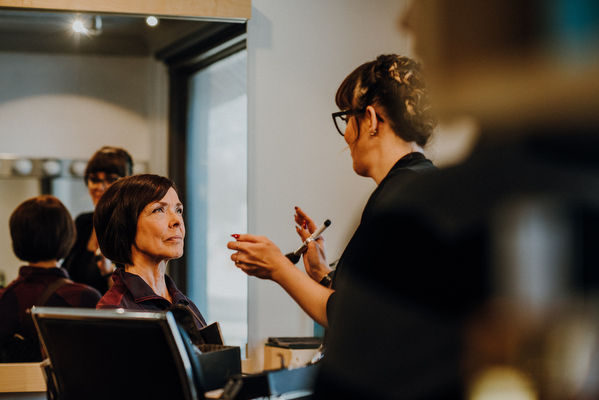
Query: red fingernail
305, 224
236, 236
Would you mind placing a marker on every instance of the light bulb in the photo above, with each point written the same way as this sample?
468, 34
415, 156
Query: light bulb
152, 21
22, 167
79, 27
52, 167
78, 167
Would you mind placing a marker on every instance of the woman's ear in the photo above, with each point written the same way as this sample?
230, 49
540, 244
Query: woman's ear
372, 120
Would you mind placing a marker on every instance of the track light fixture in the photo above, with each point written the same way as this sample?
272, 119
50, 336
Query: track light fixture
90, 27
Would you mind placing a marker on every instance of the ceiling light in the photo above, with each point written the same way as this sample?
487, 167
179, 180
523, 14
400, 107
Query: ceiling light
79, 27
94, 29
152, 21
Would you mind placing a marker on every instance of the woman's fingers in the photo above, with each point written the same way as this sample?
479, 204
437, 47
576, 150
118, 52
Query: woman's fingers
248, 269
302, 219
252, 247
303, 233
246, 237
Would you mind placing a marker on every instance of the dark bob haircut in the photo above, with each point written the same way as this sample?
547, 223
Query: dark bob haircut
117, 213
41, 229
110, 160
395, 85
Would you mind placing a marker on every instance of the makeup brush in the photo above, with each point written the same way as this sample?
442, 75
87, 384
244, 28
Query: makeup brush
295, 256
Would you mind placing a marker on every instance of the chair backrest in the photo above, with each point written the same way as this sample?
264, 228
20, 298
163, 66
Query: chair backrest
116, 354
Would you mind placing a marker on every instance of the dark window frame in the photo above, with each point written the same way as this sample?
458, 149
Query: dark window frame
184, 58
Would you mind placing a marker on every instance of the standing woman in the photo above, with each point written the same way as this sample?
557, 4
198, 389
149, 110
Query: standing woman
386, 122
86, 263
139, 225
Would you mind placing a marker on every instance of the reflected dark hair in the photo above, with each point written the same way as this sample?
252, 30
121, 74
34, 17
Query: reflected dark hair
41, 229
117, 213
395, 85
110, 160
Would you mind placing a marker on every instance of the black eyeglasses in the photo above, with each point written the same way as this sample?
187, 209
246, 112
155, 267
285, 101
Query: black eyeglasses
95, 181
340, 119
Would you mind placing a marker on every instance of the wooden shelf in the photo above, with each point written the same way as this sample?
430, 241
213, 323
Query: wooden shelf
21, 378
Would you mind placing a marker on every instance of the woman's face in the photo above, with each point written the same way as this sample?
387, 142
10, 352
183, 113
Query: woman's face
357, 145
160, 229
98, 182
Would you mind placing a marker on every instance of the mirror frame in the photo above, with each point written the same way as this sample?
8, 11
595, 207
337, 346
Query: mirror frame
209, 9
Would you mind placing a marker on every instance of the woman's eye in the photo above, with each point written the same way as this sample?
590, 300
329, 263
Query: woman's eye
158, 209
179, 211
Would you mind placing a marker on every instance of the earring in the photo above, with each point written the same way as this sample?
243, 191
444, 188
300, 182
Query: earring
373, 132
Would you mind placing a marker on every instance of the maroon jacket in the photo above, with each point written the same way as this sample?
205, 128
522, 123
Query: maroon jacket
21, 294
131, 292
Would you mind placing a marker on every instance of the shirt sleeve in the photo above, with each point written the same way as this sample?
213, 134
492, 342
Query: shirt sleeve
331, 304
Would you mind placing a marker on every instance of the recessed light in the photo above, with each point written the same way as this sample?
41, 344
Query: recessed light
152, 21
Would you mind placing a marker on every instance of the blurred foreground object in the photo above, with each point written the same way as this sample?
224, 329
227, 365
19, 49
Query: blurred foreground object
510, 63
494, 291
495, 280
552, 355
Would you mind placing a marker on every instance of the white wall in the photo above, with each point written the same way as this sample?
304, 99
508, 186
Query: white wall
299, 52
68, 106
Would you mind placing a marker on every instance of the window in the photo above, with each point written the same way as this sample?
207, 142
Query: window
216, 187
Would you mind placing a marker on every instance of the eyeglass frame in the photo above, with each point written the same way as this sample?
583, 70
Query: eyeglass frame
340, 114
92, 181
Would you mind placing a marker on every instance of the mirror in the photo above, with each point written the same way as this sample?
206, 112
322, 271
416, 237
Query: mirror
107, 34
66, 94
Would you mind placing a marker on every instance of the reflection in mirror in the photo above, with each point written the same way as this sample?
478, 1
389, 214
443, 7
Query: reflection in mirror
108, 34
66, 94
217, 182
22, 178
14, 192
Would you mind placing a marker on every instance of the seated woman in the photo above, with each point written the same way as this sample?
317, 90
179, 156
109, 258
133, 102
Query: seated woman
139, 224
42, 233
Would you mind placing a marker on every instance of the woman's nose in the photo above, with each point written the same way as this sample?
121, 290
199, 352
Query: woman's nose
99, 187
176, 219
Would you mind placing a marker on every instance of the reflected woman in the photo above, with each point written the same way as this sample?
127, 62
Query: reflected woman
85, 263
42, 233
139, 224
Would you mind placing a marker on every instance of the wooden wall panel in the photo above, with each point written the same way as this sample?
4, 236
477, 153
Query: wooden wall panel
213, 9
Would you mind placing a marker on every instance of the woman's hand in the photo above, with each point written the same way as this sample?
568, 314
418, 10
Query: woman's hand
315, 259
258, 256
105, 266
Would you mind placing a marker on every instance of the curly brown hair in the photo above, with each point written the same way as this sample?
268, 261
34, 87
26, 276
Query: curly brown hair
395, 85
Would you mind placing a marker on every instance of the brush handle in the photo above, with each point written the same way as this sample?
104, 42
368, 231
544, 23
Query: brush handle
295, 256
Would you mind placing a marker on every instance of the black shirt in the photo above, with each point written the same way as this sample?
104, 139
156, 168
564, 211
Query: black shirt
81, 263
384, 198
